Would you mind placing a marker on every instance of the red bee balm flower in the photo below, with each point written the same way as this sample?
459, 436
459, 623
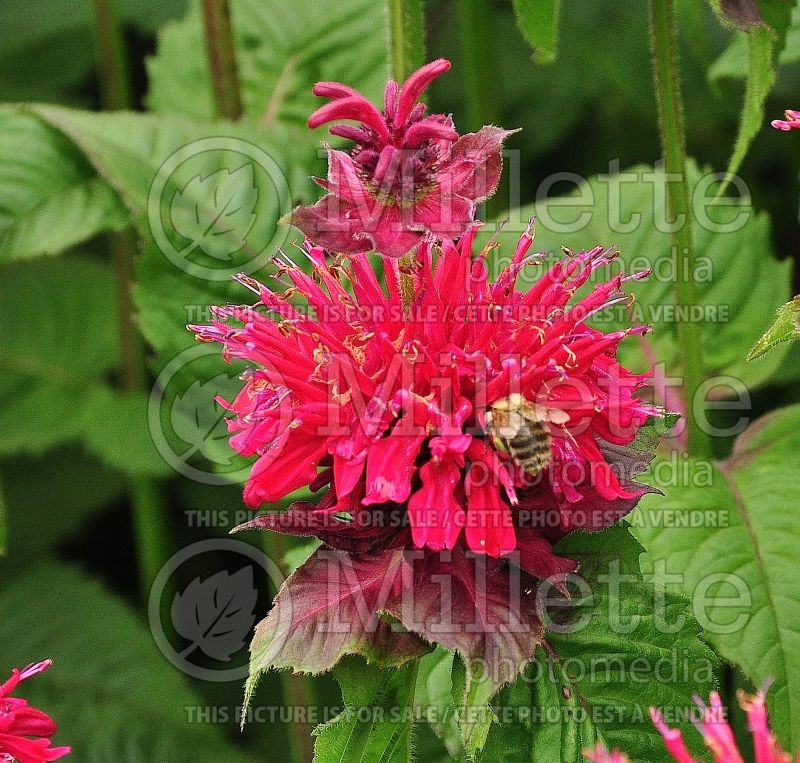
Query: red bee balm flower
24, 730
392, 406
479, 422
717, 735
409, 173
792, 121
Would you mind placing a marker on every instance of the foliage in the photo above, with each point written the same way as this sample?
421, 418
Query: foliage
785, 328
538, 22
734, 563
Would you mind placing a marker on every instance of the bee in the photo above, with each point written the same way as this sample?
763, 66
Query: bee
519, 428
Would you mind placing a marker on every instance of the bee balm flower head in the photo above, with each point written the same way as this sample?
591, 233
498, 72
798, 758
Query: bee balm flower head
408, 173
387, 407
25, 731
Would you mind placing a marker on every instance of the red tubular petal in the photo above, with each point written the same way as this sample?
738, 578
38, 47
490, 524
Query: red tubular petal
436, 516
601, 755
284, 469
335, 90
673, 740
348, 132
428, 129
415, 85
490, 529
390, 467
347, 473
357, 108
30, 750
30, 722
390, 99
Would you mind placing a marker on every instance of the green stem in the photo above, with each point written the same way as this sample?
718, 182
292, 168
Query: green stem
112, 59
406, 37
407, 53
673, 145
222, 59
149, 512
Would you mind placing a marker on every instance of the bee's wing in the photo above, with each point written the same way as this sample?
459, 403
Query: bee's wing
535, 412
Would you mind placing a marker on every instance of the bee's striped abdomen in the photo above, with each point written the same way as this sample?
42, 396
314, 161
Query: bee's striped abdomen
531, 447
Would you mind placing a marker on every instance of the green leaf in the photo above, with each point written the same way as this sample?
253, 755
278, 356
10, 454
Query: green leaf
649, 436
109, 688
377, 722
51, 198
619, 650
185, 269
765, 40
731, 532
229, 210
178, 279
785, 328
538, 21
435, 696
740, 284
550, 725
58, 339
49, 55
283, 48
56, 362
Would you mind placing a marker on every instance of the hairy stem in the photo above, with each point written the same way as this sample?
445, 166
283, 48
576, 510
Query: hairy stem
222, 59
112, 60
673, 146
